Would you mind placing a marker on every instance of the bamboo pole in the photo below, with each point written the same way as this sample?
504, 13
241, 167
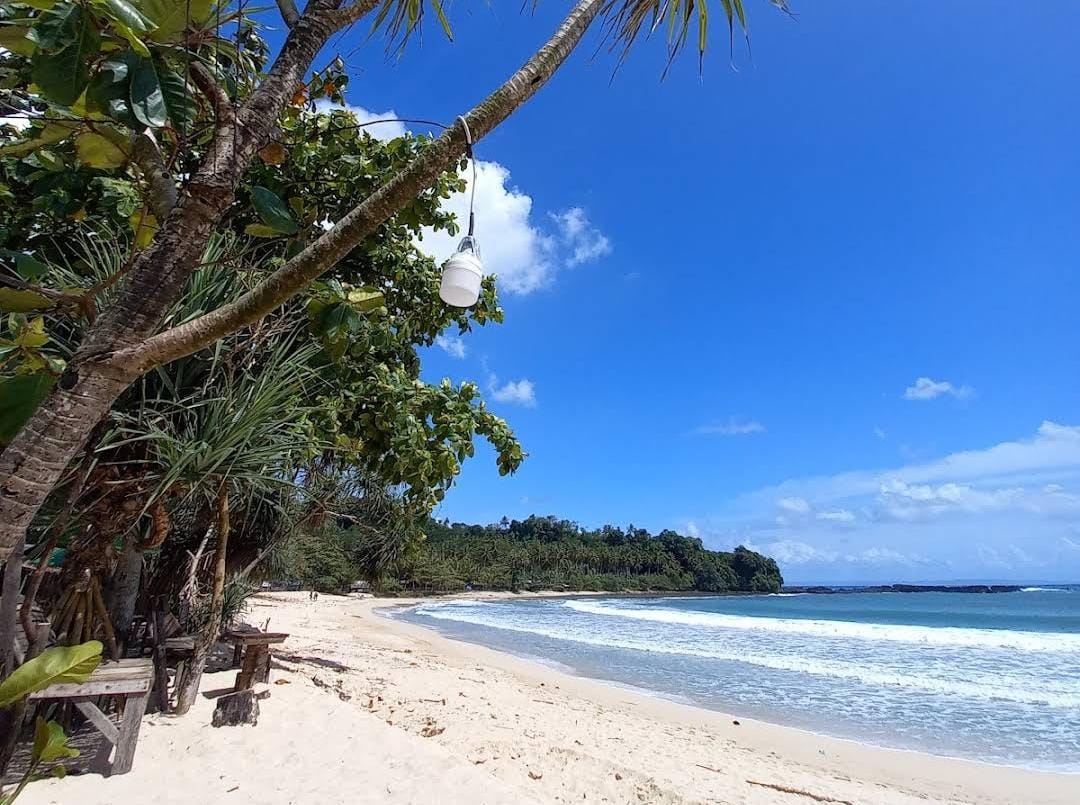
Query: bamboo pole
103, 616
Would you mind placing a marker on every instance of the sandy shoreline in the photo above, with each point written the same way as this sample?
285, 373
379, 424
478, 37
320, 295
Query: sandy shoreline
376, 709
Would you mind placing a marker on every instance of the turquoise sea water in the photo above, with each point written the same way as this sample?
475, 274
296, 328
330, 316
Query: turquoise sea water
994, 678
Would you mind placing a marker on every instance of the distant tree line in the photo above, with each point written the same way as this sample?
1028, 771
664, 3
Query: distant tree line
554, 554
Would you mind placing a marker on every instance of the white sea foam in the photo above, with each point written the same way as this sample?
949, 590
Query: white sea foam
985, 687
900, 633
1044, 590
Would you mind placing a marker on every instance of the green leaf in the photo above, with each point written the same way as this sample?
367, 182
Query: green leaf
108, 90
33, 334
20, 396
50, 743
13, 300
365, 300
170, 17
67, 41
57, 29
147, 97
52, 132
273, 211
132, 39
178, 100
25, 265
97, 151
13, 37
54, 666
41, 5
125, 13
261, 231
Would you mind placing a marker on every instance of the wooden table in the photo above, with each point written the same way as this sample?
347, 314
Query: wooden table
251, 654
130, 680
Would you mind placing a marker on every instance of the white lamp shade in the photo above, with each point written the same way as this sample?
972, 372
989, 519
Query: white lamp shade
461, 275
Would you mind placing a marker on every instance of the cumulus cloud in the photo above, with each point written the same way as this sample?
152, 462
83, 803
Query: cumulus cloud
525, 256
584, 241
732, 427
454, 346
926, 389
1012, 506
518, 392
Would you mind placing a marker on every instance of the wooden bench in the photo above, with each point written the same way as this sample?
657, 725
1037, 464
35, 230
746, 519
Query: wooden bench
129, 680
251, 654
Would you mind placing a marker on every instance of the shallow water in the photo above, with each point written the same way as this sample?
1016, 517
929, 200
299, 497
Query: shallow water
994, 678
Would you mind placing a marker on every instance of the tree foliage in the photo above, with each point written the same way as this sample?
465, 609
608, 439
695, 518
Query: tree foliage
548, 553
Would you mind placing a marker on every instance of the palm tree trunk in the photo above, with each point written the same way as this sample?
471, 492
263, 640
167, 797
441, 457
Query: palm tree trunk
124, 590
193, 671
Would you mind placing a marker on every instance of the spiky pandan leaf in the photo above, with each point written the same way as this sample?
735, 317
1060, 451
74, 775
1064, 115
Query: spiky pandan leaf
402, 18
627, 20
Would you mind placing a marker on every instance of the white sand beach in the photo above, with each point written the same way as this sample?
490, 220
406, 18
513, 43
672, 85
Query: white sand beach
367, 709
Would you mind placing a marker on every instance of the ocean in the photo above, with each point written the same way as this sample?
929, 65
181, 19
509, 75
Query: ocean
989, 677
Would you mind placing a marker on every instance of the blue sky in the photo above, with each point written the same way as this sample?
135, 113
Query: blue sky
824, 304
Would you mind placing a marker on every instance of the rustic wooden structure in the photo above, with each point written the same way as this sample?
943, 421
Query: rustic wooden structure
128, 680
251, 654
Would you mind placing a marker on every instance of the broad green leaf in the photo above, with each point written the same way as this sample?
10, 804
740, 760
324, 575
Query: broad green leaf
132, 38
273, 211
25, 265
13, 300
58, 28
68, 41
33, 334
20, 396
96, 151
42, 5
173, 16
50, 742
52, 132
147, 97
13, 37
365, 299
145, 226
124, 12
261, 231
108, 91
54, 666
178, 100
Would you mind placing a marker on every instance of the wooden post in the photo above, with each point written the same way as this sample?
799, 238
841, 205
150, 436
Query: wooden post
9, 604
161, 673
134, 707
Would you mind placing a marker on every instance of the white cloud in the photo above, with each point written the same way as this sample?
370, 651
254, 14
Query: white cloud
583, 240
1000, 511
794, 505
885, 556
525, 257
732, 427
836, 516
926, 389
519, 392
880, 433
454, 346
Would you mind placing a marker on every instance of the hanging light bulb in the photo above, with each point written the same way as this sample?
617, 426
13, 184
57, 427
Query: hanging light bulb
463, 272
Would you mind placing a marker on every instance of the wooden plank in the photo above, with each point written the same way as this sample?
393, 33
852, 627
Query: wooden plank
99, 720
115, 687
161, 674
182, 643
255, 638
134, 708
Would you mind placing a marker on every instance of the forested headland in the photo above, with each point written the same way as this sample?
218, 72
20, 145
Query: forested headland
538, 553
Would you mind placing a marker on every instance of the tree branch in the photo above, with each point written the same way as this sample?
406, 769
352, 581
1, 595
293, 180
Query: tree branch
350, 14
146, 153
288, 12
209, 87
366, 217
